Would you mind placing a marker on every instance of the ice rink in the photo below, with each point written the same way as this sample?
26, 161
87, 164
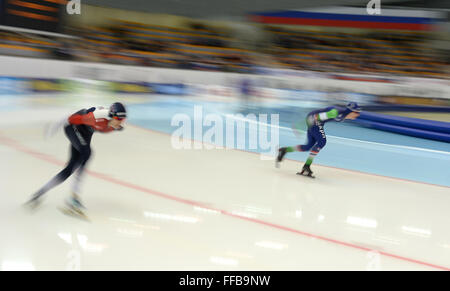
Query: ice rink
153, 207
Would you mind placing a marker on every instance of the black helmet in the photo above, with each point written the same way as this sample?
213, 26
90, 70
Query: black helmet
351, 107
354, 107
118, 111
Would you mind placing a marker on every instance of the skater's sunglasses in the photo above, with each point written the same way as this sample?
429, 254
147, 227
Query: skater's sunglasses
118, 118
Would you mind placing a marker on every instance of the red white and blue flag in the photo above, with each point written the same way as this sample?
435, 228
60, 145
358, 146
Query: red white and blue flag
398, 19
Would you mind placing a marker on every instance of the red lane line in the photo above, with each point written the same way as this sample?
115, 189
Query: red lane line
331, 167
337, 241
17, 146
146, 190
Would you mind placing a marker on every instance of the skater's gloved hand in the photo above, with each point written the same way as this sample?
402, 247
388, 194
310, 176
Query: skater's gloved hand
47, 131
51, 129
120, 127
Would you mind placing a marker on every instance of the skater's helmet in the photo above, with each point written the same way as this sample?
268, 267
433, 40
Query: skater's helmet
117, 111
352, 107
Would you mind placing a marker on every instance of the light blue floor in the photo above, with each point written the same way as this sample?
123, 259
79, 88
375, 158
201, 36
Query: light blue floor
348, 146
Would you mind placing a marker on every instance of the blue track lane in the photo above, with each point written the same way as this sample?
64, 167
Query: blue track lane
348, 146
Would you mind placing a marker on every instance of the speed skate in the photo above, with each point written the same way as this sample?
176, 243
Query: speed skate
74, 212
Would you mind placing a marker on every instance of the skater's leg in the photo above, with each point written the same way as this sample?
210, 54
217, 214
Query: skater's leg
312, 154
301, 148
310, 142
79, 174
61, 176
75, 161
77, 181
320, 137
321, 140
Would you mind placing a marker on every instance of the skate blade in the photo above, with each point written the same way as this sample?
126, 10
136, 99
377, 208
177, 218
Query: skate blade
71, 212
309, 176
32, 206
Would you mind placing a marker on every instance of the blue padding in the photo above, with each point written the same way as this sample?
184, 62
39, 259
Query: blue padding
405, 130
413, 108
407, 122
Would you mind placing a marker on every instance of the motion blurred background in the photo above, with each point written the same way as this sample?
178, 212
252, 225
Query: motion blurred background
293, 55
382, 185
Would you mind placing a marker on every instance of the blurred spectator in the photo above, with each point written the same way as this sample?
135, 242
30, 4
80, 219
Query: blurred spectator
202, 48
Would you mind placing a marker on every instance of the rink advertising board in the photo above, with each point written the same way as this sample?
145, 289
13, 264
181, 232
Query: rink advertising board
399, 86
15, 85
46, 85
131, 87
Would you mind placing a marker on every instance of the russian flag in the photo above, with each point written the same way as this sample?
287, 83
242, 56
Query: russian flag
354, 18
